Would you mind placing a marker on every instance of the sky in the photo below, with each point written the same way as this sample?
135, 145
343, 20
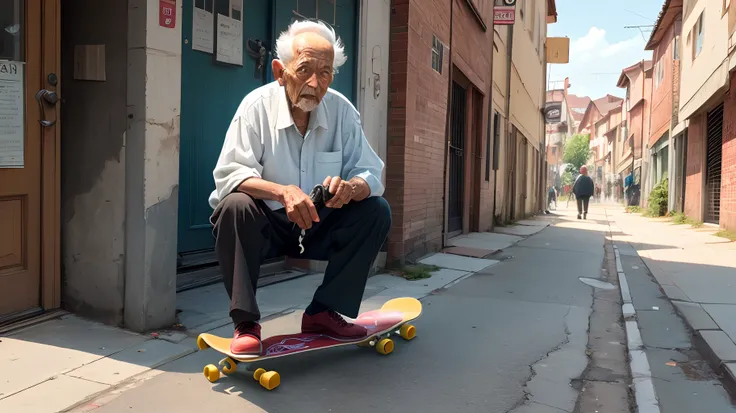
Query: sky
600, 46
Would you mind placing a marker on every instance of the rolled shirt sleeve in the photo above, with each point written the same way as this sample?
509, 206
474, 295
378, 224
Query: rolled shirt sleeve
359, 158
238, 159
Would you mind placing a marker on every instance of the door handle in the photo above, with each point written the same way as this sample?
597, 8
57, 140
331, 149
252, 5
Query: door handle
46, 97
257, 50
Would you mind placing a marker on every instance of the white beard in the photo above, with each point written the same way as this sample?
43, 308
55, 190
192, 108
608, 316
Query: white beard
307, 105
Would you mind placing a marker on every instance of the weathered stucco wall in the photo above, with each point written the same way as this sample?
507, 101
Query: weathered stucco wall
93, 126
152, 167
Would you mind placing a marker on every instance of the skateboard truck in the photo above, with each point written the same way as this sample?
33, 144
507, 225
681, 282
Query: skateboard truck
320, 195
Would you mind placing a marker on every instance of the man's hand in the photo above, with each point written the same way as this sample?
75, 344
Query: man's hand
299, 208
342, 191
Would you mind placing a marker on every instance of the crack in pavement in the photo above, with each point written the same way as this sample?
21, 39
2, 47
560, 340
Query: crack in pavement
551, 368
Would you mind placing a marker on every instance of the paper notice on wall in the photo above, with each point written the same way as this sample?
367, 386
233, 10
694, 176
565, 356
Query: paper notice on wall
12, 110
229, 40
203, 26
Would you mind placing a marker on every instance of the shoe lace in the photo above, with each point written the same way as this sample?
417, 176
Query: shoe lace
337, 318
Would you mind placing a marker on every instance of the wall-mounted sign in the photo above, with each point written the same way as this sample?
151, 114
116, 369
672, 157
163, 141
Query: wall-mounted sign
167, 13
504, 15
553, 112
558, 50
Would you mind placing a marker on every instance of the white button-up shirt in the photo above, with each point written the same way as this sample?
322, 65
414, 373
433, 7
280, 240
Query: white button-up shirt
263, 141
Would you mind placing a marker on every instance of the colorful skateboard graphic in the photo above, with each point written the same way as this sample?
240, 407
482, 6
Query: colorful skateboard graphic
393, 317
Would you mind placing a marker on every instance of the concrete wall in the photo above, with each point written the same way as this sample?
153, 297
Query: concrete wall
93, 126
728, 171
152, 167
662, 93
417, 119
705, 74
374, 55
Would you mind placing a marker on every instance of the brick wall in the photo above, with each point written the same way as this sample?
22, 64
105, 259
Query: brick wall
417, 113
694, 169
728, 171
662, 94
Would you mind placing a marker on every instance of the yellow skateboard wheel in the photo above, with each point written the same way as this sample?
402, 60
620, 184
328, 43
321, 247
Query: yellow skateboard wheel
408, 332
211, 372
385, 346
201, 344
228, 365
257, 374
270, 380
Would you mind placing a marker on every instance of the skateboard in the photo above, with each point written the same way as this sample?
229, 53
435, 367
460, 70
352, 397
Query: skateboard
392, 318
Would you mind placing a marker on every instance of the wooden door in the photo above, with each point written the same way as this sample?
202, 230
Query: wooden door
28, 157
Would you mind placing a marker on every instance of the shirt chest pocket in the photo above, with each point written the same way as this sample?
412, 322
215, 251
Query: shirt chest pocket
328, 164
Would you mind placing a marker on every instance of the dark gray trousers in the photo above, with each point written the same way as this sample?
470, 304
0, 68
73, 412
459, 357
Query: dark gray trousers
247, 232
583, 205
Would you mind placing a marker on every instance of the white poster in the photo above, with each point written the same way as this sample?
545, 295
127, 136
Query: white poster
12, 110
203, 26
229, 40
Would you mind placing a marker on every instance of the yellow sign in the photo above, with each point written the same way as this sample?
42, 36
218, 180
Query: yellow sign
558, 50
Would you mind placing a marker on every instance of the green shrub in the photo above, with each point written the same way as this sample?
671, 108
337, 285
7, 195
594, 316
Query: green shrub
657, 202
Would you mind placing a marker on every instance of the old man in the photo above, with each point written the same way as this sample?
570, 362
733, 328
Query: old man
285, 138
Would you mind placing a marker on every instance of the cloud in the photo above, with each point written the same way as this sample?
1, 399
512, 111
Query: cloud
596, 62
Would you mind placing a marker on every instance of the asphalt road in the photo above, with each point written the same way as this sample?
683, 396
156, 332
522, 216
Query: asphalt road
510, 338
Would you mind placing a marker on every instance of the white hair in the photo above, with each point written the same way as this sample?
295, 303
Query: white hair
285, 42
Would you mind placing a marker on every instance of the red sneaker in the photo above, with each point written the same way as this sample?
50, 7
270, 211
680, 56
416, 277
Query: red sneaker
332, 324
246, 340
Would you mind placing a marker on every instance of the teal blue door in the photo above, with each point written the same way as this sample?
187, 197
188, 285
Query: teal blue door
211, 92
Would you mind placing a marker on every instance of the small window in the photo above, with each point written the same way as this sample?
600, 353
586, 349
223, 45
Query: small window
699, 35
658, 73
438, 52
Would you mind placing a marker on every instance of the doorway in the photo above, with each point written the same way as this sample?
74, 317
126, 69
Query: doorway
211, 92
29, 201
456, 181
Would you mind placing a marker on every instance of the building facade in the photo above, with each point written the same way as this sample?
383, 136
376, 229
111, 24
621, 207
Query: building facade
560, 125
637, 80
664, 149
124, 118
706, 100
120, 122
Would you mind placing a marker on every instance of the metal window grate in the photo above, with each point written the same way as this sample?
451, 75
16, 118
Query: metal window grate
714, 156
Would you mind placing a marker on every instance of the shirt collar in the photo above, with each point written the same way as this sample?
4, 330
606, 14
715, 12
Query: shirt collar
284, 120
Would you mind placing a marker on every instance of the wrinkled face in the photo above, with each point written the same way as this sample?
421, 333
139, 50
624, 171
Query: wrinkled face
308, 76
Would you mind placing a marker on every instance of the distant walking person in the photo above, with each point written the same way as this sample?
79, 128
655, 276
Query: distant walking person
583, 190
551, 197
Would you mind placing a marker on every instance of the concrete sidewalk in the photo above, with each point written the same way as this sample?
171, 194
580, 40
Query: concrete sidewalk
68, 361
697, 272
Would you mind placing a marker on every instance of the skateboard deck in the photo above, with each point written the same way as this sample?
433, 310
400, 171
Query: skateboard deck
393, 317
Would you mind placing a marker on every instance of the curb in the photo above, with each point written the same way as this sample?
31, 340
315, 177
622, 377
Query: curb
645, 396
725, 369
